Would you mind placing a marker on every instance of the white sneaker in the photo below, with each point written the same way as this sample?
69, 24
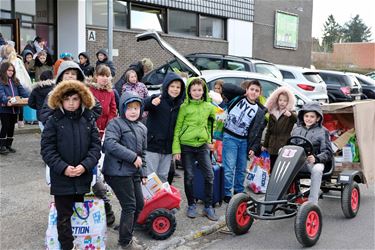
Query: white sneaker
21, 124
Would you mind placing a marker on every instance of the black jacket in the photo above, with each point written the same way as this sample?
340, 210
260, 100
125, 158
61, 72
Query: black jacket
70, 141
39, 94
106, 61
161, 119
87, 69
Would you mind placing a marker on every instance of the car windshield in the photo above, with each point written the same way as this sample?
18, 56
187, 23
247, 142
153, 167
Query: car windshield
268, 69
313, 77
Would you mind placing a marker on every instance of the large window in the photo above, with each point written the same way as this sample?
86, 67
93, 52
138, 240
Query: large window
147, 19
211, 27
97, 12
184, 23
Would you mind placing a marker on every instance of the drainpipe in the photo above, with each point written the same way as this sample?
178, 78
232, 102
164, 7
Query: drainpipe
110, 29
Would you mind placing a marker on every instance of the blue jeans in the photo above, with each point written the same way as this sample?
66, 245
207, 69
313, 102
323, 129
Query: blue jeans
234, 163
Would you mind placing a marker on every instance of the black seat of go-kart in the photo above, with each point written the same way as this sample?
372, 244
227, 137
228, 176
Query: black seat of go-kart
327, 172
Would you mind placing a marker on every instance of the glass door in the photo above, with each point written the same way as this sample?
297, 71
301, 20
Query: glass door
10, 29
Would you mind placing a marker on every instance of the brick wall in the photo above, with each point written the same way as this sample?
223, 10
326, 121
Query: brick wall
130, 50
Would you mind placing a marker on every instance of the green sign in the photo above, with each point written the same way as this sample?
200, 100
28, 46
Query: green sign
286, 30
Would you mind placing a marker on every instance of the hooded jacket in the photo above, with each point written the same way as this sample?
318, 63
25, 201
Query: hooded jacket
124, 141
279, 125
38, 94
70, 138
317, 134
40, 67
106, 61
46, 112
10, 89
87, 69
161, 119
195, 121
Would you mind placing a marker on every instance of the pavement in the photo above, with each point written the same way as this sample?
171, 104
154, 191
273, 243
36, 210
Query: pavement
25, 198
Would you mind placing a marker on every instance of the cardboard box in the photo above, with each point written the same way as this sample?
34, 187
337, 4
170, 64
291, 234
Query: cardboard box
20, 101
341, 166
344, 138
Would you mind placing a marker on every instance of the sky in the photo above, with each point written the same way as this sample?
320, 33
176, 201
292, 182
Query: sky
342, 11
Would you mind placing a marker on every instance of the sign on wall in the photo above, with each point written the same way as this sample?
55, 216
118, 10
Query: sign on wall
91, 35
286, 30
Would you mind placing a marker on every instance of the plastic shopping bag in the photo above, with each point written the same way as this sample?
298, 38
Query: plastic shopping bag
89, 225
258, 175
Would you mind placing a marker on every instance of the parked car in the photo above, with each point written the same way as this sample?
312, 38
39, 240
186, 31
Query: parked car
367, 84
269, 84
210, 61
308, 81
341, 86
371, 75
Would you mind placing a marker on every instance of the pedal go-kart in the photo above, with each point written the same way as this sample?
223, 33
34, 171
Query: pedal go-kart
287, 197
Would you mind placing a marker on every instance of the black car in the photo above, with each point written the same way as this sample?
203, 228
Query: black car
367, 84
341, 86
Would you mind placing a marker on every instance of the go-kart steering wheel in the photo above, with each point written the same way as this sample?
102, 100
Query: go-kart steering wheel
302, 142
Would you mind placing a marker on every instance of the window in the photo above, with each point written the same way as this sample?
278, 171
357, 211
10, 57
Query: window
231, 65
96, 12
268, 69
312, 77
120, 14
267, 87
211, 27
146, 18
182, 23
233, 80
207, 63
287, 74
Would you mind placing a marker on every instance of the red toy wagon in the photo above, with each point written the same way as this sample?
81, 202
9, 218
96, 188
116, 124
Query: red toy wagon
158, 213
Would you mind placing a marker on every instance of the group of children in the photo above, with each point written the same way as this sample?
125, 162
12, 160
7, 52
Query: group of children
179, 125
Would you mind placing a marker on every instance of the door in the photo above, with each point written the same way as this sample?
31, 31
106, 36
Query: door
10, 29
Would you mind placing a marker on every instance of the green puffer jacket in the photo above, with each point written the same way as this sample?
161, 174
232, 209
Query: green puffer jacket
194, 121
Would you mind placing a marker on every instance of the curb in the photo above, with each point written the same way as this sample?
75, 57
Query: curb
179, 241
28, 129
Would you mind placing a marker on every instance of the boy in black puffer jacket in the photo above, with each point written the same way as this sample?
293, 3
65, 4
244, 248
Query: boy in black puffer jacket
70, 146
84, 64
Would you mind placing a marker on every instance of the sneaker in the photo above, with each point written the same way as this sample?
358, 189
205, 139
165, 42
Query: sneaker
132, 246
192, 211
21, 124
209, 212
227, 199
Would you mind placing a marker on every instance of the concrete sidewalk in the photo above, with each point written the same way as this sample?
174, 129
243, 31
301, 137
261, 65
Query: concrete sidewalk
27, 141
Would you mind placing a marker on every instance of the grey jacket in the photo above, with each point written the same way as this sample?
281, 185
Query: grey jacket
124, 141
317, 134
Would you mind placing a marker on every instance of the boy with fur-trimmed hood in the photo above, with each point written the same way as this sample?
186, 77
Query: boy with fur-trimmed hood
280, 105
71, 152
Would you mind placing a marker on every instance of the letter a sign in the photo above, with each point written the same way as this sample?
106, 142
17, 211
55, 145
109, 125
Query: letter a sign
91, 36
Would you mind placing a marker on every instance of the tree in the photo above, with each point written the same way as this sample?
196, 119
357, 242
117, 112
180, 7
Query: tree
331, 33
356, 31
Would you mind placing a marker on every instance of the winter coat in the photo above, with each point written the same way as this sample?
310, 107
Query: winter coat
87, 69
161, 119
39, 94
40, 67
106, 97
46, 112
29, 66
70, 138
10, 89
124, 141
279, 125
317, 134
138, 88
106, 61
195, 121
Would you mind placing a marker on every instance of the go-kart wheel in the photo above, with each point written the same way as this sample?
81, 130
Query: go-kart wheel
161, 224
237, 219
308, 224
350, 200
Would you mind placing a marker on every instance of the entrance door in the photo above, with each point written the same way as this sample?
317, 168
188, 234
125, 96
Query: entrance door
10, 29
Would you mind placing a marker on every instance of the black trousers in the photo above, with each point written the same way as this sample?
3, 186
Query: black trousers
64, 206
128, 191
7, 124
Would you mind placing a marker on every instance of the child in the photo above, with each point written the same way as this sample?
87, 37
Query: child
40, 92
162, 116
192, 142
132, 84
218, 88
42, 63
71, 152
242, 134
309, 125
281, 121
28, 61
84, 64
124, 164
10, 87
102, 57
102, 90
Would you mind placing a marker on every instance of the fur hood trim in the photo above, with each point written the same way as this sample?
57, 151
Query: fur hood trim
271, 103
55, 98
42, 84
96, 85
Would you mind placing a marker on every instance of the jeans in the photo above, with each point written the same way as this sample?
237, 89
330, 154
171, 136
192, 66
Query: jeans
128, 191
234, 163
189, 156
316, 171
64, 207
158, 163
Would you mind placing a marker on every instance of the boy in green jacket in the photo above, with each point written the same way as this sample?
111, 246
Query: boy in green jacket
192, 142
